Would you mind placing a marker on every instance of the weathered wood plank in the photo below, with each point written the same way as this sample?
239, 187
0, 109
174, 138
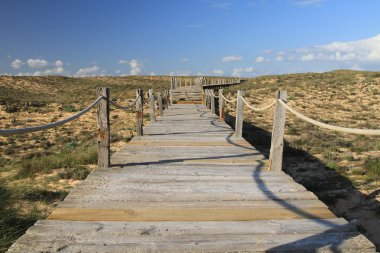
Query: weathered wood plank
190, 185
188, 214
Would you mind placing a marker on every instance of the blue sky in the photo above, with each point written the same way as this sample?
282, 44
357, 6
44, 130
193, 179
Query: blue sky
187, 37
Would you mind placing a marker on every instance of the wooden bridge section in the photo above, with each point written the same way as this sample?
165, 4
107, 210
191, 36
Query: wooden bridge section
189, 185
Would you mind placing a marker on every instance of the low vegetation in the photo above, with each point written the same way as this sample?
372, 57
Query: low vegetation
38, 169
341, 169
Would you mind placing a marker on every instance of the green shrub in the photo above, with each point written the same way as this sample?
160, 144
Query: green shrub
77, 173
332, 165
372, 167
69, 108
12, 225
70, 158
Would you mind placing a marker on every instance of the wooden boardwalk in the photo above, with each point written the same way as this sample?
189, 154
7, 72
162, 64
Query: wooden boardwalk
189, 185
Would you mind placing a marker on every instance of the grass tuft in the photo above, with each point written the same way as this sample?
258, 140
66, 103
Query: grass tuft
372, 167
67, 159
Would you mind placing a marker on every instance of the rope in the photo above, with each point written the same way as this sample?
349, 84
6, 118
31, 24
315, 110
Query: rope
331, 127
8, 132
229, 101
124, 107
258, 109
212, 93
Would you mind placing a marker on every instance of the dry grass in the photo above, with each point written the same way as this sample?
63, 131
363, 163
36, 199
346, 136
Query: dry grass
29, 189
341, 169
38, 169
344, 98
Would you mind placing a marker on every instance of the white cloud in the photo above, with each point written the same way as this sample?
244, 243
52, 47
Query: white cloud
58, 63
184, 60
260, 59
308, 57
242, 71
24, 74
152, 74
218, 72
46, 72
308, 2
117, 72
356, 67
89, 71
350, 52
59, 70
37, 63
135, 66
180, 73
16, 64
279, 57
232, 58
268, 51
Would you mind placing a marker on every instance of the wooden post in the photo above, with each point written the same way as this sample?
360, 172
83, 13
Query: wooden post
139, 112
104, 158
151, 106
277, 143
160, 109
221, 106
239, 115
172, 82
208, 99
171, 97
166, 99
212, 102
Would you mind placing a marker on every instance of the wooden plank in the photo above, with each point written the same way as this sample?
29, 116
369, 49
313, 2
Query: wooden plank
187, 143
325, 242
303, 203
188, 214
330, 235
207, 228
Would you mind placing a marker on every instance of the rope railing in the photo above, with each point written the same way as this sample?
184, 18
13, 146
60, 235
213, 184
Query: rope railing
103, 115
124, 107
229, 101
277, 140
8, 132
328, 126
258, 109
211, 93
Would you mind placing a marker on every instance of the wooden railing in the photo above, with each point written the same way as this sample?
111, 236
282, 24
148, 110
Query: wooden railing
280, 108
176, 82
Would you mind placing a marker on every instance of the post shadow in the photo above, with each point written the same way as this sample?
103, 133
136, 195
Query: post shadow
322, 181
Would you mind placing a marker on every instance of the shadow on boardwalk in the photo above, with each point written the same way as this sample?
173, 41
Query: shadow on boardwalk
328, 185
